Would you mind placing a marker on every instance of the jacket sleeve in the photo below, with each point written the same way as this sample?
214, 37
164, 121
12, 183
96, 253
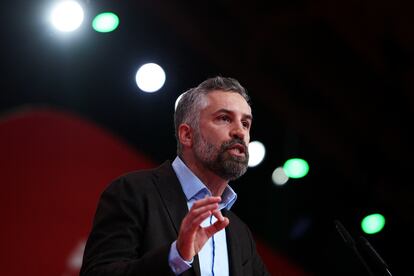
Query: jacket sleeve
114, 246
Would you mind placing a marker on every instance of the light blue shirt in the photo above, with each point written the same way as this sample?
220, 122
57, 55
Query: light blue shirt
213, 256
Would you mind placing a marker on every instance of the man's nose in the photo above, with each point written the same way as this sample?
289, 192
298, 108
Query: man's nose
238, 131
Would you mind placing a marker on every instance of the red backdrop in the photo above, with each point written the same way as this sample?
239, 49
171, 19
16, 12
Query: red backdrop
54, 165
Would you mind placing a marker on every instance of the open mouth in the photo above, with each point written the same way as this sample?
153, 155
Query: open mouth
237, 149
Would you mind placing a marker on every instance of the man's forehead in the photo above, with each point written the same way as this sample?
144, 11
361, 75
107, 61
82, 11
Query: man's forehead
227, 100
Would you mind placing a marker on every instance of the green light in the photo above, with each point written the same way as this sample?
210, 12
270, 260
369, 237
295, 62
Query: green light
296, 168
373, 223
105, 22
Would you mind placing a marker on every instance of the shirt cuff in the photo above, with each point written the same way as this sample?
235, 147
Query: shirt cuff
177, 263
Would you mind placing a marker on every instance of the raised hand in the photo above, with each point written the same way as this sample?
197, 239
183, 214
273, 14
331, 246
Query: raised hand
192, 236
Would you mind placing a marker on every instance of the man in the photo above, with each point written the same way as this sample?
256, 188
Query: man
175, 220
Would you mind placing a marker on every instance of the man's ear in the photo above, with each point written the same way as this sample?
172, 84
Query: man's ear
185, 134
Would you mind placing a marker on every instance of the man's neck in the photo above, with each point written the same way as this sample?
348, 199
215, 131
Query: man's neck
213, 182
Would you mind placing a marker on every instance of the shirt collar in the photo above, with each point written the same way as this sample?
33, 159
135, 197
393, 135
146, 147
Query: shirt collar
194, 189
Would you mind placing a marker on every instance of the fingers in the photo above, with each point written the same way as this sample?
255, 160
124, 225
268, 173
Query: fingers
208, 210
220, 224
218, 215
192, 236
195, 211
206, 201
216, 227
199, 218
202, 209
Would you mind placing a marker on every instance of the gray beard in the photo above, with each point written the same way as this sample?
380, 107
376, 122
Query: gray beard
219, 161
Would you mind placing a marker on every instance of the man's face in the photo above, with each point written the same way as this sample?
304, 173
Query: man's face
221, 142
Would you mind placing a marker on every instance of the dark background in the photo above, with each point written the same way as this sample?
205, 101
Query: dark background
330, 81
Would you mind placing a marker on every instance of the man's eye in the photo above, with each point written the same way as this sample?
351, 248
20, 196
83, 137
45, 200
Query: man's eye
246, 124
225, 118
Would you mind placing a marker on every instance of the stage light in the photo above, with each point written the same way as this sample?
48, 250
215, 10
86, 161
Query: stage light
257, 153
296, 168
150, 77
105, 22
373, 223
279, 176
67, 16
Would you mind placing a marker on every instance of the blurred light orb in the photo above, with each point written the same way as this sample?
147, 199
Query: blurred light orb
67, 16
257, 153
105, 22
279, 176
150, 77
296, 168
373, 223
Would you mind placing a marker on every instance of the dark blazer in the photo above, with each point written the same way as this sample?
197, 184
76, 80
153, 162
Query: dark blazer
139, 216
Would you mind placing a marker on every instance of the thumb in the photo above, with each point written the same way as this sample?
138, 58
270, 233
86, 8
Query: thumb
216, 227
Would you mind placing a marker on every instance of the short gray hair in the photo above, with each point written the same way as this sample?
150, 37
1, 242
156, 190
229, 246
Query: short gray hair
188, 107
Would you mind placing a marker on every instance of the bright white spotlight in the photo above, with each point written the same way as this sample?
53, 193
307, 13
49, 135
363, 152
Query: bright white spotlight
150, 77
257, 153
67, 16
279, 176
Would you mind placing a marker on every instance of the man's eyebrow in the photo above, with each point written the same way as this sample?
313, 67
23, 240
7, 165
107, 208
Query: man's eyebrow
224, 110
248, 117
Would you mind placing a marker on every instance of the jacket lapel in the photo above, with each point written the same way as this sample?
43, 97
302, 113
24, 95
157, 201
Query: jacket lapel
174, 199
233, 247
